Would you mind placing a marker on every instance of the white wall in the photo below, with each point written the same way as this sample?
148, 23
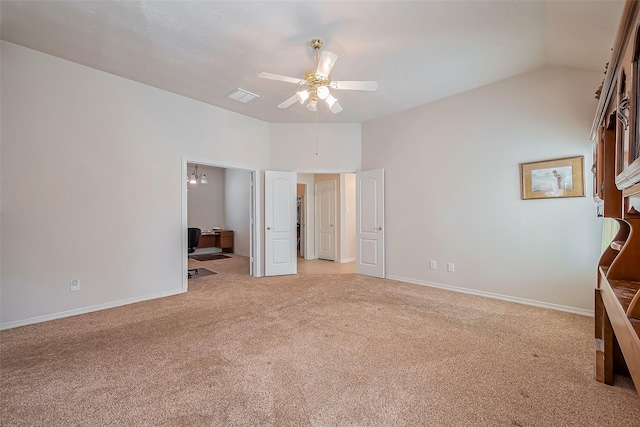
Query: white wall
236, 204
102, 199
452, 189
324, 148
92, 182
206, 202
293, 147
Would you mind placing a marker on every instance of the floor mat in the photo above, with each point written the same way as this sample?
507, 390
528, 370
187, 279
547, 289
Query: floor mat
208, 257
201, 273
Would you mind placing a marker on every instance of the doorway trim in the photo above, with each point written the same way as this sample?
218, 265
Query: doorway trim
255, 242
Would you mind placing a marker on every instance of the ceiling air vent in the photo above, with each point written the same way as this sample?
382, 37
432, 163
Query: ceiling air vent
242, 95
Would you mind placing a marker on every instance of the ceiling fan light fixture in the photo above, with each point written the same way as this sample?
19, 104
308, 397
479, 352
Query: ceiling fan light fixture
323, 92
336, 107
330, 100
302, 96
312, 105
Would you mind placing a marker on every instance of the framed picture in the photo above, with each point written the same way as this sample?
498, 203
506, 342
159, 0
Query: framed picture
549, 179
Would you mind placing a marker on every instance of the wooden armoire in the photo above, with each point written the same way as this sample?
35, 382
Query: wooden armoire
616, 132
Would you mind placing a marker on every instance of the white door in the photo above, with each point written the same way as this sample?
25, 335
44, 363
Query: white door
280, 236
326, 220
370, 223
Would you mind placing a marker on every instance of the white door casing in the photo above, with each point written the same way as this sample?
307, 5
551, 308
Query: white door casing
370, 249
280, 223
326, 220
303, 224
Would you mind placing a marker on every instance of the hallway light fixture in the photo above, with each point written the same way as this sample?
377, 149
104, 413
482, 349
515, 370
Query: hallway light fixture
194, 177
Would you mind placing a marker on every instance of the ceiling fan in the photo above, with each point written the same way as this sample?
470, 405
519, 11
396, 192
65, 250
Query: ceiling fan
318, 82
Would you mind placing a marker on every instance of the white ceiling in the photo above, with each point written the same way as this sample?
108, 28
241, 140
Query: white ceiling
418, 51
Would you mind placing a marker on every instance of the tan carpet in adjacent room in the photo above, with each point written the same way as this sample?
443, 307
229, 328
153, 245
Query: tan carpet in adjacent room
309, 350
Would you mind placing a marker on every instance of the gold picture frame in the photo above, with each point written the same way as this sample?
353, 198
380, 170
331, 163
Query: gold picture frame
551, 179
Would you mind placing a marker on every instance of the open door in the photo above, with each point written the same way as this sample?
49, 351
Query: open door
370, 223
280, 236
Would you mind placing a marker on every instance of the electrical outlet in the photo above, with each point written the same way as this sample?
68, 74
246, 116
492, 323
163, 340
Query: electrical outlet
434, 265
451, 267
75, 285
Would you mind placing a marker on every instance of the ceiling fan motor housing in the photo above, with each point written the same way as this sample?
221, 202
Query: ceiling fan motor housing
316, 43
314, 81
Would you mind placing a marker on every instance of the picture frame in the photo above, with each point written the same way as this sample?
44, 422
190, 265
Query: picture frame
552, 179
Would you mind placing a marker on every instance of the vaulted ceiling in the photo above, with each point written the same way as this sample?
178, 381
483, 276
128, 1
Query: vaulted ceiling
418, 51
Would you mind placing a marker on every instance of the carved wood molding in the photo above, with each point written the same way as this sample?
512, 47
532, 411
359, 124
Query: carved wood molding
623, 35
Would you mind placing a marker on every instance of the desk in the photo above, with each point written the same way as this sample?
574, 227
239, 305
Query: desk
222, 239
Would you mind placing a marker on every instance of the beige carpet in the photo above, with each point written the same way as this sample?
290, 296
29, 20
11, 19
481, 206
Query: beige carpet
309, 350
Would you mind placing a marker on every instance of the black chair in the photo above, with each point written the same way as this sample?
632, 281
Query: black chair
194, 239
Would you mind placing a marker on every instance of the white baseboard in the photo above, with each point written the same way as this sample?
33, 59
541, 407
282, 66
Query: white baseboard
85, 310
558, 307
346, 260
119, 303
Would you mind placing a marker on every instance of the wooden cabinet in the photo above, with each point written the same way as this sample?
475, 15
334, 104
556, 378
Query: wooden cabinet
607, 194
226, 241
617, 316
222, 239
617, 193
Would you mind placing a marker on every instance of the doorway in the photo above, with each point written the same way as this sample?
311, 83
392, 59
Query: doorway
366, 218
226, 200
340, 207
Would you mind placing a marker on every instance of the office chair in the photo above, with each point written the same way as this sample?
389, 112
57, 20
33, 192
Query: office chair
194, 239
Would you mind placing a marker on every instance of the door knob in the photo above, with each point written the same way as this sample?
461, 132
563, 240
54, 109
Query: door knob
268, 228
379, 228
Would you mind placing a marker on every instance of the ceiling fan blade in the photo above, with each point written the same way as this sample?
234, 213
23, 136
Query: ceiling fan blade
280, 78
326, 63
355, 85
288, 103
335, 107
